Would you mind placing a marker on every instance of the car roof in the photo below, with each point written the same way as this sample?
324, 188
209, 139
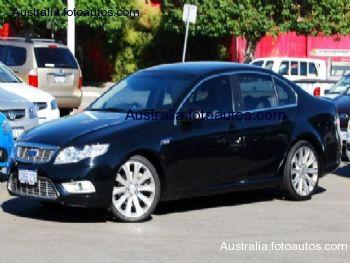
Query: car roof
30, 42
203, 67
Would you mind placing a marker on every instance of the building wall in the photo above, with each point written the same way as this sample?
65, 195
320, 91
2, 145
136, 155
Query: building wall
290, 45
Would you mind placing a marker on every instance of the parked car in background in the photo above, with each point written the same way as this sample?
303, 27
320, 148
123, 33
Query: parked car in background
45, 103
342, 87
109, 157
20, 113
47, 65
6, 144
310, 74
343, 105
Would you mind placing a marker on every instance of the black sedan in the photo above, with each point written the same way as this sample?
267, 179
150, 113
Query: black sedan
181, 130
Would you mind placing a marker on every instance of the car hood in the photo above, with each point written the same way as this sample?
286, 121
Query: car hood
11, 101
343, 103
63, 131
27, 92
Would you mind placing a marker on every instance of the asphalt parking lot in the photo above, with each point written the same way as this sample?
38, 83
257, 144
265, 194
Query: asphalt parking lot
190, 230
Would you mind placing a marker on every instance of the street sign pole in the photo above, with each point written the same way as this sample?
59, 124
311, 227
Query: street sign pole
185, 42
189, 15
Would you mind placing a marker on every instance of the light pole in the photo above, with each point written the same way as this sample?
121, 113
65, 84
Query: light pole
71, 26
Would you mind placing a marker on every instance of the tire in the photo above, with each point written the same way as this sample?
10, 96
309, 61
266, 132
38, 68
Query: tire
136, 192
301, 171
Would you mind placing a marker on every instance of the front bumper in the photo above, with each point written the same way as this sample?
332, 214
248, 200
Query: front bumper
49, 186
48, 115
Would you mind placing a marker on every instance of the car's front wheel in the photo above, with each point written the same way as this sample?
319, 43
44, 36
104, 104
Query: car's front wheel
136, 191
301, 171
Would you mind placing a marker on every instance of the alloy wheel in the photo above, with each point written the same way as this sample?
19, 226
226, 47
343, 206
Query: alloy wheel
134, 190
304, 171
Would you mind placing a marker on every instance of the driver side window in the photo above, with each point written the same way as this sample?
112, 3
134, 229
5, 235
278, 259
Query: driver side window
212, 96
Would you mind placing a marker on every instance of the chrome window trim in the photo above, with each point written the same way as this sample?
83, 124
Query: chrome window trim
234, 73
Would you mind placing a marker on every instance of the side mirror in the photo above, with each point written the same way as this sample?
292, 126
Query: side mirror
192, 117
326, 91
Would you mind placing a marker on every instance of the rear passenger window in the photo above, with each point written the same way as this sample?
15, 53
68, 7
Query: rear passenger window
294, 68
284, 68
303, 68
257, 91
12, 55
312, 69
269, 64
285, 95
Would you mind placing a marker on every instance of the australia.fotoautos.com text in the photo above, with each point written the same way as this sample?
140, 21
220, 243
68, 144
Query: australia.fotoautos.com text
75, 12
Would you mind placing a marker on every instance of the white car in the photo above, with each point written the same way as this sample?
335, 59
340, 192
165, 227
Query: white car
45, 103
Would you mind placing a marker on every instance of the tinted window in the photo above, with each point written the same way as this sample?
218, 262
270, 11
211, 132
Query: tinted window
258, 63
312, 69
294, 68
257, 91
12, 55
269, 64
144, 91
213, 95
285, 94
284, 68
54, 58
303, 68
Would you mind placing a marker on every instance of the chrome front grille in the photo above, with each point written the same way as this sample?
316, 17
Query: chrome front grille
41, 105
34, 154
13, 115
43, 189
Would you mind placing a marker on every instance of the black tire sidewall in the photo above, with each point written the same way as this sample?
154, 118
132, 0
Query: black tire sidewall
155, 175
287, 177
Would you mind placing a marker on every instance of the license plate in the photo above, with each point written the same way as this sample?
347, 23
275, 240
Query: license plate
27, 176
59, 79
17, 132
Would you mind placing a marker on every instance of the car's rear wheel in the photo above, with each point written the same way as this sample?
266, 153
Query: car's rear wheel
301, 171
136, 191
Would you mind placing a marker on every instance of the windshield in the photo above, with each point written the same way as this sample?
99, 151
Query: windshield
6, 76
341, 86
148, 90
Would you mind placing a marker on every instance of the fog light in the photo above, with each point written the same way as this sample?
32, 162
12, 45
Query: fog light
79, 187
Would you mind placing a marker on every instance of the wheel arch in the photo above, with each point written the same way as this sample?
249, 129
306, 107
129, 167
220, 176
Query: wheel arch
314, 141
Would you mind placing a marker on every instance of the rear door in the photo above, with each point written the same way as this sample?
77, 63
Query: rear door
269, 108
58, 70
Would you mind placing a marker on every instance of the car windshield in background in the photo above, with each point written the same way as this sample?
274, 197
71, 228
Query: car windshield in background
7, 76
54, 57
341, 86
151, 90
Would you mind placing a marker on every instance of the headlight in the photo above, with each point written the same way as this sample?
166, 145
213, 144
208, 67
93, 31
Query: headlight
74, 154
6, 129
54, 105
33, 112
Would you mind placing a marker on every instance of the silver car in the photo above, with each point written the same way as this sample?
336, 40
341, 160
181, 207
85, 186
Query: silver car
21, 113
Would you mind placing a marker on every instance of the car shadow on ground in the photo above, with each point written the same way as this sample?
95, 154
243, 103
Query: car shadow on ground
344, 170
23, 207
230, 199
